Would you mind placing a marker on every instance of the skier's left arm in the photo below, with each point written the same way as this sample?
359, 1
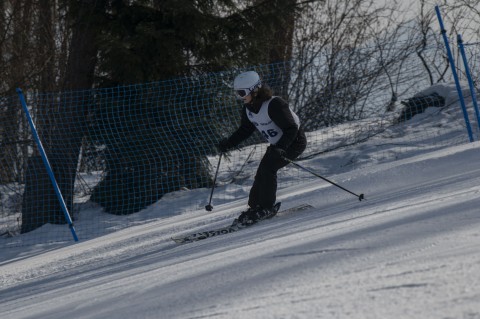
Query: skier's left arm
281, 115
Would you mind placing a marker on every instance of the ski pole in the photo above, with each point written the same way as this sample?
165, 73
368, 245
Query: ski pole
209, 207
360, 197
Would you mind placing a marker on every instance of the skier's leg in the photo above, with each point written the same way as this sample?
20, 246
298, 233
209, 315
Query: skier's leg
253, 195
266, 180
263, 193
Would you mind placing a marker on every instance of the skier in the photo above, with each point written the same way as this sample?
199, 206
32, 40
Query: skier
280, 126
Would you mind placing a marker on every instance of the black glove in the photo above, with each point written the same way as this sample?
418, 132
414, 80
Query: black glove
224, 145
277, 152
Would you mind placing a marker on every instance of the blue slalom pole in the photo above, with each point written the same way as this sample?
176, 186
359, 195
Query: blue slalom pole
454, 72
469, 77
47, 164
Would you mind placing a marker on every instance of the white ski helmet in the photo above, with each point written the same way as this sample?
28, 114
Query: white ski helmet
246, 82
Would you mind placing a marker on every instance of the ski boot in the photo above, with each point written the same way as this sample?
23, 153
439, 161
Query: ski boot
253, 215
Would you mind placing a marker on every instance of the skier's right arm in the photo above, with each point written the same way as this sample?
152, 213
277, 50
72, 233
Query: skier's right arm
242, 133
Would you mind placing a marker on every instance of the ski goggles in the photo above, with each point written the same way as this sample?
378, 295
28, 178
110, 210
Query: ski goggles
243, 92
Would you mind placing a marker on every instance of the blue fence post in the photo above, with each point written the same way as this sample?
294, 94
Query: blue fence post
469, 77
36, 137
454, 72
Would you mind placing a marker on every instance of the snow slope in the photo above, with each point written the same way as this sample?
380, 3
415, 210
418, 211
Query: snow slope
410, 250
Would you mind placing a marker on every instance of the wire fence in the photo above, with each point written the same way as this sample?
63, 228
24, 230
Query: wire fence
119, 151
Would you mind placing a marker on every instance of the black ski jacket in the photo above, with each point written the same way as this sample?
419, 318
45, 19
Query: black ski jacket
280, 114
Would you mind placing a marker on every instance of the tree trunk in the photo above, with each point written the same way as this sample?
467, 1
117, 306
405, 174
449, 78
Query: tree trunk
63, 131
279, 42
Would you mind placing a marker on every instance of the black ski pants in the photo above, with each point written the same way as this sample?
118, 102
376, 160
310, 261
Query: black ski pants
264, 189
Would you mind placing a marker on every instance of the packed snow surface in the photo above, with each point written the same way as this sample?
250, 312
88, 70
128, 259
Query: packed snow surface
409, 250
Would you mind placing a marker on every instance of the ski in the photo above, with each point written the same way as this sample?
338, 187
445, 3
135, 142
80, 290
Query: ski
207, 234
232, 228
